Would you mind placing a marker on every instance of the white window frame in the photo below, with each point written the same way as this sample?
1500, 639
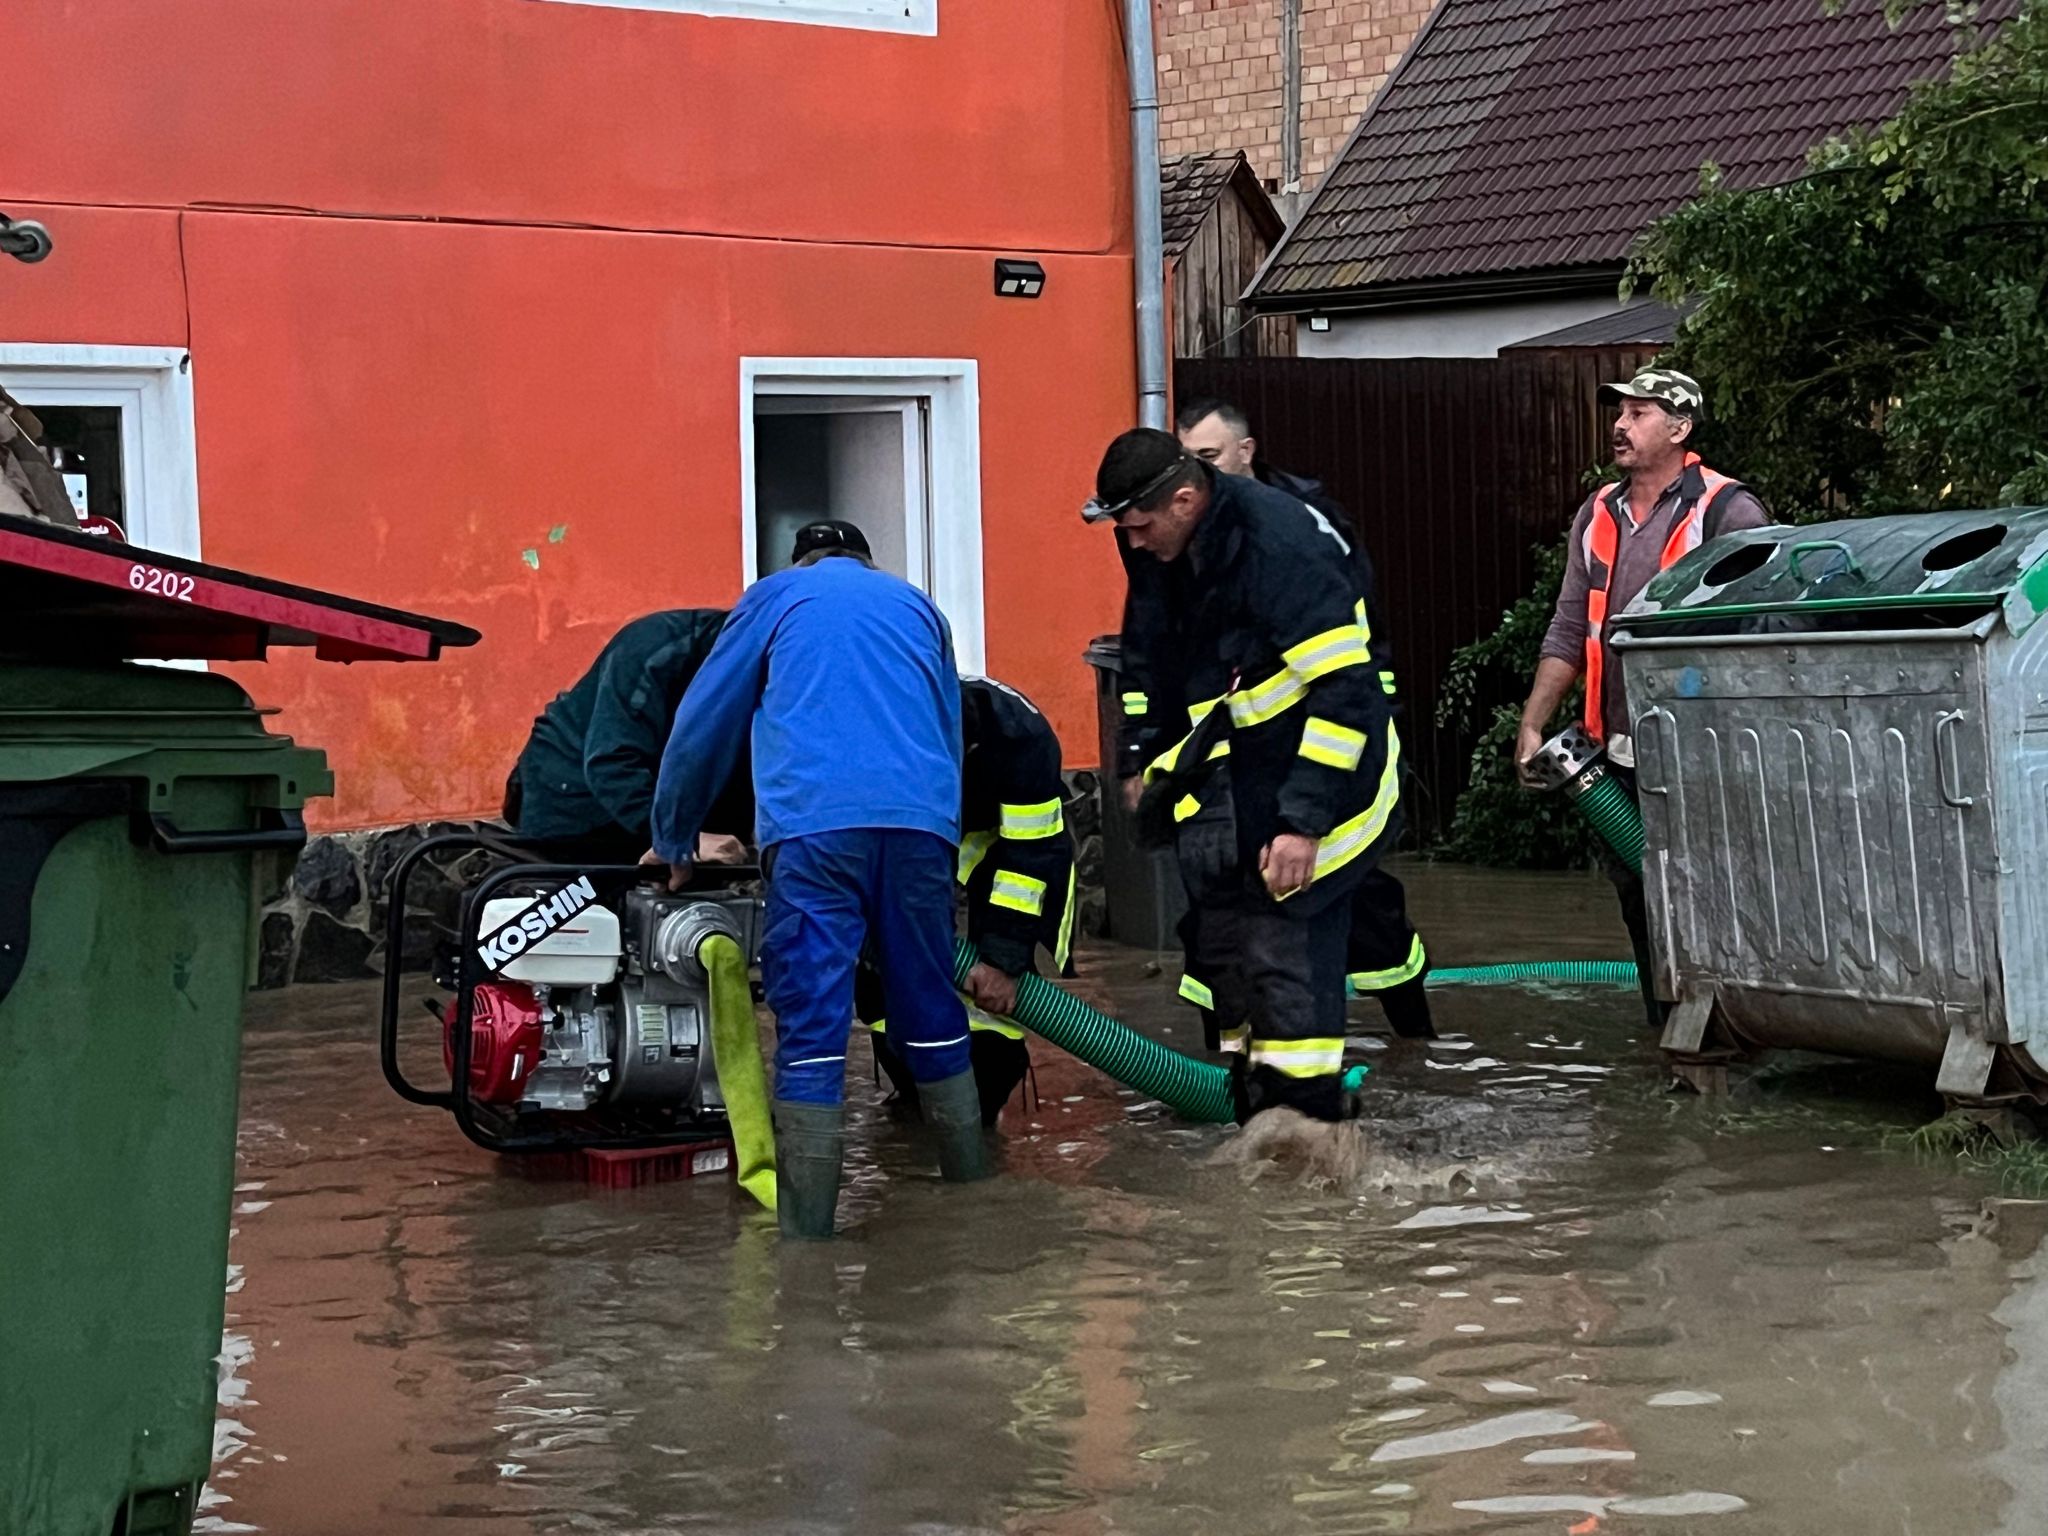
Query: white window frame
917, 18
952, 531
152, 387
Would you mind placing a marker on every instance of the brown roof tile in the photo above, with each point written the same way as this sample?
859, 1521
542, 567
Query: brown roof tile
1525, 135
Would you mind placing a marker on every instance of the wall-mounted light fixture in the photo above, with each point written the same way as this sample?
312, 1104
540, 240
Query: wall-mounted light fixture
1019, 279
1319, 322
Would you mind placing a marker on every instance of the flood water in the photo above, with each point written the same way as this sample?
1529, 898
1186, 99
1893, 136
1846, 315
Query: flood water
1551, 1299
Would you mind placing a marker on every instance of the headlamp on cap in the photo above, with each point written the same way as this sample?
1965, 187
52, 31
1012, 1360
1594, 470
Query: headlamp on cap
1096, 510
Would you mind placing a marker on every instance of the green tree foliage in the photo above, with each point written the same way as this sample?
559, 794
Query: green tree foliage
1872, 337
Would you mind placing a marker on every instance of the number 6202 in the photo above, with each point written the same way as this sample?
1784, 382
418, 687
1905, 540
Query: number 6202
147, 578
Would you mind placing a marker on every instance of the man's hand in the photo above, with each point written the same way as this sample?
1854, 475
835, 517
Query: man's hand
1288, 863
1134, 791
678, 874
992, 991
717, 848
1528, 742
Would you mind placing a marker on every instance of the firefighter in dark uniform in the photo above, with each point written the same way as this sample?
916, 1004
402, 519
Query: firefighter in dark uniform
1280, 788
583, 787
1017, 873
1387, 957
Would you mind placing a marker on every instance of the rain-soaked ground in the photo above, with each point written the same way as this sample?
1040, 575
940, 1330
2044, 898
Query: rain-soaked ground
1552, 1299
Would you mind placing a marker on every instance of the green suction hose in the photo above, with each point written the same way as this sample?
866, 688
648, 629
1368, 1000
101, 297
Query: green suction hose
1580, 973
1198, 1090
742, 1078
1574, 762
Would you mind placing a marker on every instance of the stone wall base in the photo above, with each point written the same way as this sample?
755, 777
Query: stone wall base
327, 921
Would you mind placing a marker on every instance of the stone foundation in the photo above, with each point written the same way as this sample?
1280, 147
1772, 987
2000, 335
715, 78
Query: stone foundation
327, 921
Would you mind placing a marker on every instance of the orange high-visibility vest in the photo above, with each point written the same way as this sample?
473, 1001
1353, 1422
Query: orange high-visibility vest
1602, 543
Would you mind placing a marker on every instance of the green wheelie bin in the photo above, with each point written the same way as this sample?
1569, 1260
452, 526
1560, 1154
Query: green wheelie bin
139, 809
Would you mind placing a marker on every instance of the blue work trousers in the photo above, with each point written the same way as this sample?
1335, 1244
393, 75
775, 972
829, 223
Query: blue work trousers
827, 895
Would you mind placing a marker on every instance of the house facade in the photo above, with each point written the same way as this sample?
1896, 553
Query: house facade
539, 315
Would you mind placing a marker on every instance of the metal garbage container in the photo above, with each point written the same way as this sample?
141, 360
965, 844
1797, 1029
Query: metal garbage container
1141, 886
135, 805
1841, 737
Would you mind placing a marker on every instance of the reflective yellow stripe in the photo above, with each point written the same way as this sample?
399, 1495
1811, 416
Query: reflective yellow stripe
1197, 711
1168, 760
979, 1019
1020, 893
1194, 992
1393, 975
974, 848
1331, 651
1232, 1042
1332, 745
1275, 696
1027, 822
1065, 944
1386, 682
1300, 1058
1185, 807
1348, 840
1136, 703
1364, 624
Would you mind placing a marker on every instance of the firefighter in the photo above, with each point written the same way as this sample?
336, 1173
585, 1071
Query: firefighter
844, 676
1668, 504
1387, 958
583, 787
1278, 780
1017, 869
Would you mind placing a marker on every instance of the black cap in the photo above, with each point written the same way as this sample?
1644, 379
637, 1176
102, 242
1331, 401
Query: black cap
1133, 468
830, 534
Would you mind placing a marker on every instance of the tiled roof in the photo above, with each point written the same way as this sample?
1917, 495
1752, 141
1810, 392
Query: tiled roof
1639, 322
1188, 184
1536, 135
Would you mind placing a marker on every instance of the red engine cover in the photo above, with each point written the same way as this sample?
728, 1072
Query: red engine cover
504, 1041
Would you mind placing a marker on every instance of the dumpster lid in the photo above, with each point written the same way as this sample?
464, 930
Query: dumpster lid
72, 596
1949, 565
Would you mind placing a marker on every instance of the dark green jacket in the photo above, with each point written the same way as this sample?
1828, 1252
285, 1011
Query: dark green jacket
591, 761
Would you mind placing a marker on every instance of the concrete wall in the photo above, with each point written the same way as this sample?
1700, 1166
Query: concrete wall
1448, 330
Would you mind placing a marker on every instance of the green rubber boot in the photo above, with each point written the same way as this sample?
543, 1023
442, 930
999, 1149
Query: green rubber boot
810, 1143
952, 1108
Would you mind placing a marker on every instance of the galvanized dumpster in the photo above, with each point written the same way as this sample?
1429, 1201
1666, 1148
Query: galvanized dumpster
1841, 738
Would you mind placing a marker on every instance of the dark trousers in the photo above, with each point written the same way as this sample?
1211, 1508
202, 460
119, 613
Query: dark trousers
1635, 914
1385, 955
1272, 971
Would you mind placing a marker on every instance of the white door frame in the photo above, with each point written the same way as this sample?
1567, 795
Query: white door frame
952, 525
152, 386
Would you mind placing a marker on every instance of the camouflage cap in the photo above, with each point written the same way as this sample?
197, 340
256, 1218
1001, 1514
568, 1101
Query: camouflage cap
1677, 392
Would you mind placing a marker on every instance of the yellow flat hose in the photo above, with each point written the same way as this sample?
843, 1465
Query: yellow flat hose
736, 1048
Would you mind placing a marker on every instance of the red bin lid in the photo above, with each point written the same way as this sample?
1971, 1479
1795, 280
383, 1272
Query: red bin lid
70, 596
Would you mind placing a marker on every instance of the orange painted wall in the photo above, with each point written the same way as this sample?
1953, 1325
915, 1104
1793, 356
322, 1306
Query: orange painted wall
395, 408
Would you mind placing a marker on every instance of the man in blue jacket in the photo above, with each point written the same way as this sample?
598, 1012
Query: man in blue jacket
845, 677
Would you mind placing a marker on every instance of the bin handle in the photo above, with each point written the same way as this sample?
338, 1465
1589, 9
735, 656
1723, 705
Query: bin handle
1948, 796
1804, 545
280, 832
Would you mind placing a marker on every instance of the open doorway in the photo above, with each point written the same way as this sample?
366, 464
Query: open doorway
891, 447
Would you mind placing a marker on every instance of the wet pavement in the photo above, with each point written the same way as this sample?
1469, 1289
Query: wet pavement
1544, 1297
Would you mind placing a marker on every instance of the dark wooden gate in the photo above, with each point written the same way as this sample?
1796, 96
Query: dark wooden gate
1454, 469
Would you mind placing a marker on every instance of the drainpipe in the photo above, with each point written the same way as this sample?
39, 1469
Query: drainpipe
1290, 108
1148, 242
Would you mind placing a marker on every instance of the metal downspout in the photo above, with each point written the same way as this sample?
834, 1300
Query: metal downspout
1148, 240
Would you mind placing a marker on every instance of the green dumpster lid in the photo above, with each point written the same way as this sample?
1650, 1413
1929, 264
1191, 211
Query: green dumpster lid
1958, 563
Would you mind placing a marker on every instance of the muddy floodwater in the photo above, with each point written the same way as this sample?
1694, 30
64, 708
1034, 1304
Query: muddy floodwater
1546, 1297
